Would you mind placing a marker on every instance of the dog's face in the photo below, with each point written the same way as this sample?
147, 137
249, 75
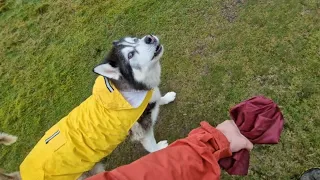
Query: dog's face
140, 53
134, 59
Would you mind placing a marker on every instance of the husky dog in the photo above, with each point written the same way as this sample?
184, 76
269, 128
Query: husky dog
133, 69
137, 69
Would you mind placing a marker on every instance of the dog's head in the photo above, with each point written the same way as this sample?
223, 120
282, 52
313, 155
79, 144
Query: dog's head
135, 60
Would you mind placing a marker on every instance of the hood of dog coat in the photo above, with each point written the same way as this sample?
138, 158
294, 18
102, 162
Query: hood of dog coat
107, 94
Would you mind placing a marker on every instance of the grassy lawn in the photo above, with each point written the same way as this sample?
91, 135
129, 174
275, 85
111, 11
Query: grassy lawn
218, 53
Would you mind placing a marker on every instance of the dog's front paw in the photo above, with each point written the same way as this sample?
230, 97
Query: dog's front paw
162, 144
169, 97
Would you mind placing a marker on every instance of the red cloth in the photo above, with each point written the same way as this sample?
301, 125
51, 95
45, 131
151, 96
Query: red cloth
261, 121
192, 158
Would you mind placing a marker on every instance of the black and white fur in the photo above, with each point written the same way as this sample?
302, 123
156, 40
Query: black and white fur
133, 64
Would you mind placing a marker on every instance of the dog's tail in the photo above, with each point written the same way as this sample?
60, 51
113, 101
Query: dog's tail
12, 176
4, 176
7, 139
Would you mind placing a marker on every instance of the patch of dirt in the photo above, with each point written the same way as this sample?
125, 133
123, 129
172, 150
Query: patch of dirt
205, 71
230, 9
202, 46
200, 49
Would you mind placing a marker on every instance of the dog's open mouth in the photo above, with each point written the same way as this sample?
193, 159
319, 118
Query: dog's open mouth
158, 51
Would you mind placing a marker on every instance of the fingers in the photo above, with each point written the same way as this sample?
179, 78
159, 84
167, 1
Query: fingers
241, 143
249, 145
234, 136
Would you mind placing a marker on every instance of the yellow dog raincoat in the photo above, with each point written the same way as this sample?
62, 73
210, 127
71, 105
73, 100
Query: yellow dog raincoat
87, 134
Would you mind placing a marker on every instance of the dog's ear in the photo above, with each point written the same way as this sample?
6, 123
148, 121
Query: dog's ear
108, 71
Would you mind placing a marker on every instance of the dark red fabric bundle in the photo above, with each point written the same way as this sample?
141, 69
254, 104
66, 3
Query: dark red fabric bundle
261, 121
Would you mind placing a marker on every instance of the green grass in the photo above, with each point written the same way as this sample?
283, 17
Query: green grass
218, 53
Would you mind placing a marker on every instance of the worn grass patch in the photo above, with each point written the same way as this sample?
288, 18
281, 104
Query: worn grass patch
218, 53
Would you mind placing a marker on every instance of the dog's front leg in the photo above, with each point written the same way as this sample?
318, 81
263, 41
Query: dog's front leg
148, 141
167, 98
150, 144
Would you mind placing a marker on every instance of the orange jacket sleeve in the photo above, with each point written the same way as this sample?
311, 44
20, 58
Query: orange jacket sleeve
192, 158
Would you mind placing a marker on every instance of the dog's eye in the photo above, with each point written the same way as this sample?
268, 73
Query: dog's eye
130, 55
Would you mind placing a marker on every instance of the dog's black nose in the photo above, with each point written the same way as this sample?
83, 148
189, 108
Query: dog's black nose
149, 39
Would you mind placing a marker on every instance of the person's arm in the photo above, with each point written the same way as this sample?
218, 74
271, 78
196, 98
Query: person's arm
193, 158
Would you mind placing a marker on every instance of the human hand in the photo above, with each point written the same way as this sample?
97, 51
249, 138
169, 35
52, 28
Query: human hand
236, 139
